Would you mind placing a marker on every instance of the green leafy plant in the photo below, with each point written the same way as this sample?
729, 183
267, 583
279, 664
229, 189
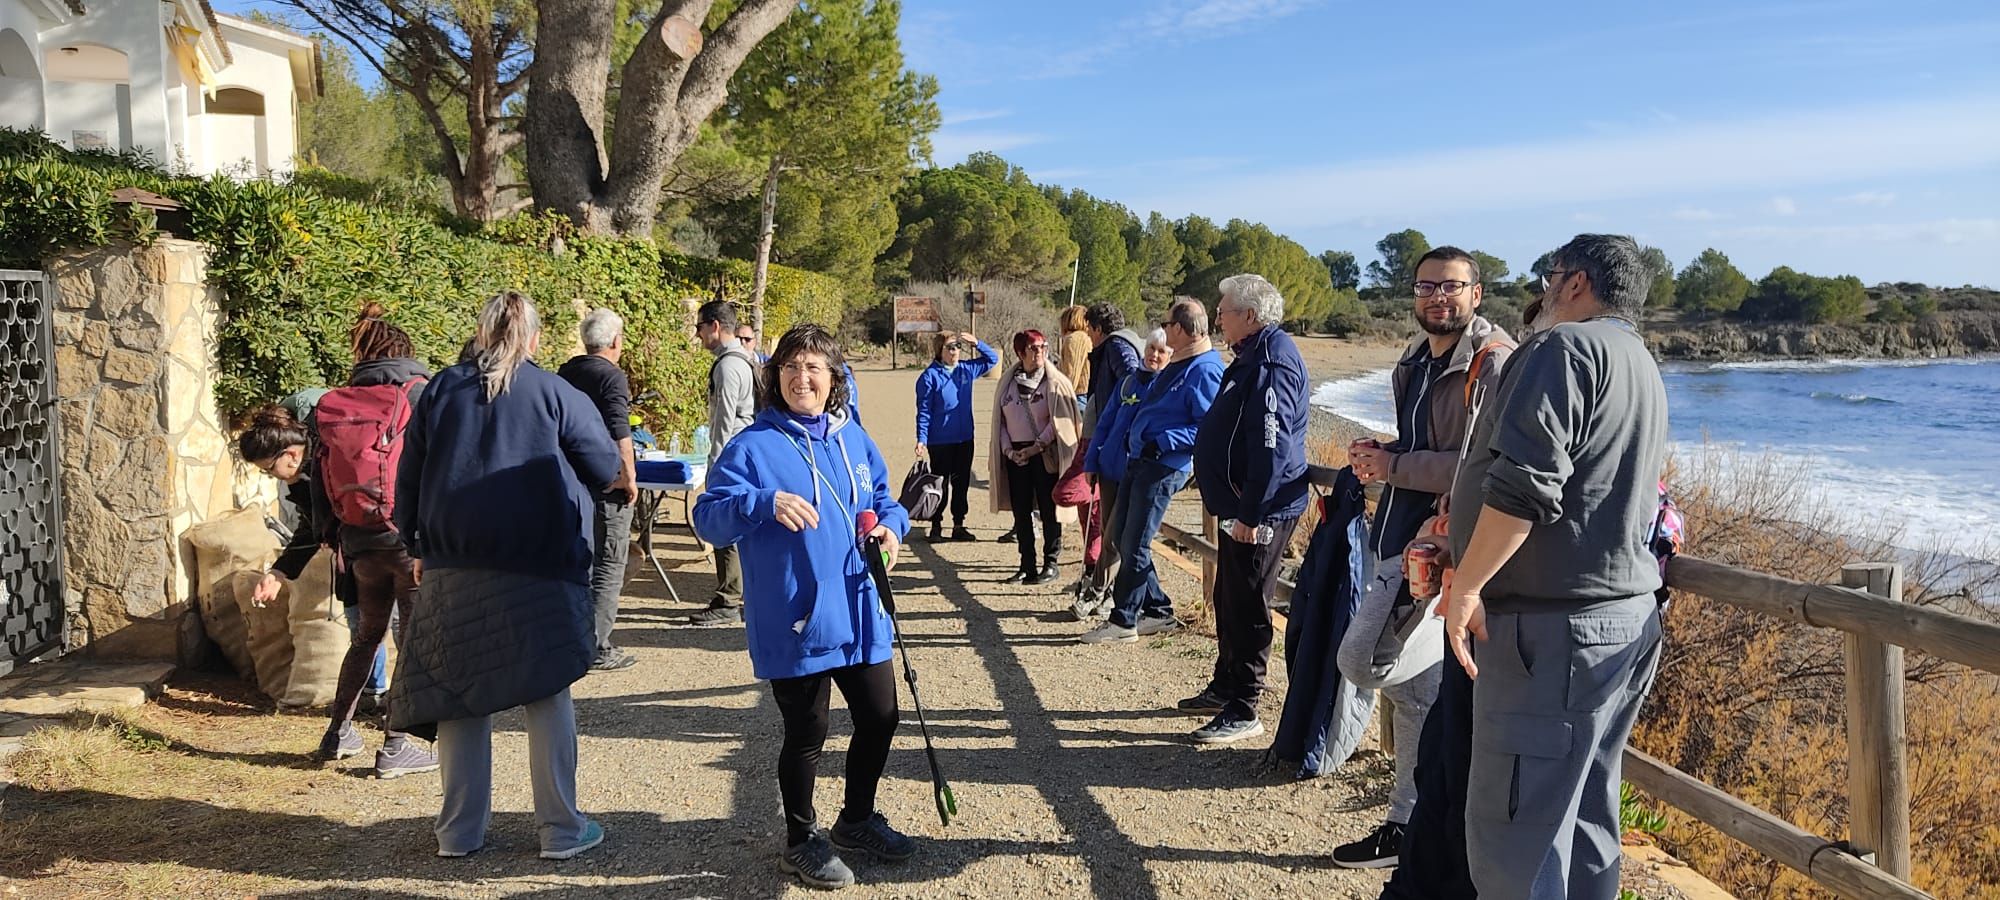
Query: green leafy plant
1635, 815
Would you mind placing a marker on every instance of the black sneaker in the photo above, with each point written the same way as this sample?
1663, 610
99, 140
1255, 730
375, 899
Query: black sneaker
1223, 729
960, 534
873, 835
717, 615
1202, 704
815, 863
611, 659
1379, 850
1005, 537
937, 533
1047, 574
1020, 577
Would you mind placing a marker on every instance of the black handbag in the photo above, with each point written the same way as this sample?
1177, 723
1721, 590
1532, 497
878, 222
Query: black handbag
923, 492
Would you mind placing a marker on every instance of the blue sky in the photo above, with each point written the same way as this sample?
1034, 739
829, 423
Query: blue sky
1834, 137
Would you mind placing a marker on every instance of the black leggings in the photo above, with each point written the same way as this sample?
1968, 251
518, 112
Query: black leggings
954, 462
870, 692
1031, 489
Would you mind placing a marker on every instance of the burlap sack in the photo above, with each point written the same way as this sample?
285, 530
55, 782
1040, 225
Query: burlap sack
319, 637
231, 554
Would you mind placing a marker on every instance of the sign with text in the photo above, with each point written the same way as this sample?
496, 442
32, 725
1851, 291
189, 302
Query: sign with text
975, 302
916, 315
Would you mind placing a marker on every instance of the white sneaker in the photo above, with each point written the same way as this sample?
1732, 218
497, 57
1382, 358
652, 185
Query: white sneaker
1110, 633
1158, 625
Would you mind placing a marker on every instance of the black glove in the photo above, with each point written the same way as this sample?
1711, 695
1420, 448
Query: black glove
1150, 451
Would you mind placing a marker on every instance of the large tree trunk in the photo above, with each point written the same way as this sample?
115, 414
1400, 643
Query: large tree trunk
478, 190
663, 100
767, 226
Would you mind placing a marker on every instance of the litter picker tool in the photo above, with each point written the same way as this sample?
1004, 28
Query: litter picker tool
878, 569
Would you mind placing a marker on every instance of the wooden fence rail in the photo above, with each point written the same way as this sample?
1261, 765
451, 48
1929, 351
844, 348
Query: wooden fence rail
1874, 862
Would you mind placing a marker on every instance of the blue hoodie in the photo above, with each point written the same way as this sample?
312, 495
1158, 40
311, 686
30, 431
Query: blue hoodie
1112, 424
944, 398
1253, 444
808, 603
1164, 426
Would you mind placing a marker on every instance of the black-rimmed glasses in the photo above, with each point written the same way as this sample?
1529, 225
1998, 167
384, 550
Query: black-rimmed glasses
1448, 288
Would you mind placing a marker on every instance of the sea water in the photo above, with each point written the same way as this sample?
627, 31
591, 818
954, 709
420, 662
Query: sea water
1906, 444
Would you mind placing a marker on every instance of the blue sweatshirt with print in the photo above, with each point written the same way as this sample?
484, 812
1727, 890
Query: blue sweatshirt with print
1164, 426
808, 603
944, 398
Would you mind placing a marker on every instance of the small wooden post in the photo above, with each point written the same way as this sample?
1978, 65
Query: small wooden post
1208, 530
1385, 713
1878, 782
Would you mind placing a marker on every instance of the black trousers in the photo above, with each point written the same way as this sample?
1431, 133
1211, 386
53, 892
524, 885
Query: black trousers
1433, 865
954, 462
1246, 578
870, 692
1032, 488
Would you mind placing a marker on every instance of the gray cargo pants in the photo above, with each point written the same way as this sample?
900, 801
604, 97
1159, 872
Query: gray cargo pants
611, 532
1555, 699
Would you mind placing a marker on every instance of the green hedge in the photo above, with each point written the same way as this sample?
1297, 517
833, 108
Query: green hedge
296, 263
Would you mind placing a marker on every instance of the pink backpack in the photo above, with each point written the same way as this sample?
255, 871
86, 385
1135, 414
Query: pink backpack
360, 441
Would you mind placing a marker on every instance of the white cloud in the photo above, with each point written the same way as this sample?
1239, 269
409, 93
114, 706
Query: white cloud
951, 145
1784, 206
1938, 231
1183, 20
1753, 154
962, 116
1695, 214
1868, 198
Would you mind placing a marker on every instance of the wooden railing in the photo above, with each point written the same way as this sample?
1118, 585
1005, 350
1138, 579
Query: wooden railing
1874, 860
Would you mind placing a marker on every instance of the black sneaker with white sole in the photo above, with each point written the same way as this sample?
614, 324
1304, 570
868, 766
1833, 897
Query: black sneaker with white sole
1202, 704
1226, 729
717, 616
1379, 850
873, 836
816, 864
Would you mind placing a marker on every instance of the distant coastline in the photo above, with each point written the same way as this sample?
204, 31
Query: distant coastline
1940, 336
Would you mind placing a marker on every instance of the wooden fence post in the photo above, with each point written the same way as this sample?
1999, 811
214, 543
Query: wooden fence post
1878, 783
1208, 531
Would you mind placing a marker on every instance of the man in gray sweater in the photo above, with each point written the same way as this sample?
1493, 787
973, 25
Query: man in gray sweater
1553, 589
732, 405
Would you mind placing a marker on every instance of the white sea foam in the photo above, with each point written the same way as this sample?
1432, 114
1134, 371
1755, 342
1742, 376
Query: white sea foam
1365, 399
1822, 365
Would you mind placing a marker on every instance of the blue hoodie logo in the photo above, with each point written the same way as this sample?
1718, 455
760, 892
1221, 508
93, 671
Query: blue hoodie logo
861, 474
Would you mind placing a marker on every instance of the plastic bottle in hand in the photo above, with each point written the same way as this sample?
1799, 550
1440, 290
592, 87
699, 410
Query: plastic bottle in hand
1264, 532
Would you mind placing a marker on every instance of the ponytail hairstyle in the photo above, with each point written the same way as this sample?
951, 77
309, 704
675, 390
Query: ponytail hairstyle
373, 337
272, 431
509, 329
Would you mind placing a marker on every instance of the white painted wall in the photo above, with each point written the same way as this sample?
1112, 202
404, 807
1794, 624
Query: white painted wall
134, 27
264, 65
21, 103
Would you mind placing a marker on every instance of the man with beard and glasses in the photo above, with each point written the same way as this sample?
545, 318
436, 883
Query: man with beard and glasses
1395, 644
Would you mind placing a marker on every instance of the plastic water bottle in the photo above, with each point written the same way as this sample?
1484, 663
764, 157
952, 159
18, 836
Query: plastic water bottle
701, 440
674, 445
1264, 532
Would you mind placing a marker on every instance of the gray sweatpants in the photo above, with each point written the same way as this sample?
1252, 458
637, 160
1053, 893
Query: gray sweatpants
611, 529
1403, 661
1554, 702
465, 765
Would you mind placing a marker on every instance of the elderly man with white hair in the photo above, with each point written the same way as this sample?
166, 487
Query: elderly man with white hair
1250, 464
597, 375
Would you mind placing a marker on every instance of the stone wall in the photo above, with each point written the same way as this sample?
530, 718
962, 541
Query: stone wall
144, 451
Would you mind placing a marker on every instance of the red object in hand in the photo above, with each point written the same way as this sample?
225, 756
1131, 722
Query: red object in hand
864, 522
1420, 569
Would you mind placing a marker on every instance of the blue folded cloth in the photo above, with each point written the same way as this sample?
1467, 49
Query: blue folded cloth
664, 471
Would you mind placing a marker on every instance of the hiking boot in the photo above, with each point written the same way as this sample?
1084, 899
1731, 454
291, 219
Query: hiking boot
717, 615
339, 743
399, 757
815, 863
1109, 633
611, 659
958, 533
1047, 574
1379, 850
1158, 625
1202, 704
1020, 577
593, 834
873, 835
1226, 729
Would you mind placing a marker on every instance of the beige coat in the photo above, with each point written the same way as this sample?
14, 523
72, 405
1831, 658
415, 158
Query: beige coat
1062, 415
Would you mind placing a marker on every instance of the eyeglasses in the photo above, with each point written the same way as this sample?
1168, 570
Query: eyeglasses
1036, 348
813, 369
1553, 278
954, 345
1448, 288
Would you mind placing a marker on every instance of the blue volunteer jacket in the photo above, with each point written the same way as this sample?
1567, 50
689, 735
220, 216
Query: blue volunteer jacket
1251, 455
808, 603
1112, 424
1164, 426
944, 398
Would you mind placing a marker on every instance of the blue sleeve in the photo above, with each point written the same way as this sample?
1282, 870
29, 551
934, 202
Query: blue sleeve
1278, 392
585, 440
1197, 395
853, 397
985, 363
732, 505
1128, 361
887, 510
409, 477
925, 384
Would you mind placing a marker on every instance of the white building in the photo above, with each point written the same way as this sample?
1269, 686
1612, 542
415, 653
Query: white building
203, 93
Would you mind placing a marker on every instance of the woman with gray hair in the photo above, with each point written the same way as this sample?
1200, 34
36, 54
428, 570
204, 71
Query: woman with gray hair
494, 489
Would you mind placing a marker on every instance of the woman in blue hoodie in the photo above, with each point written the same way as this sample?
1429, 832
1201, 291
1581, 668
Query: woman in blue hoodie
944, 420
788, 491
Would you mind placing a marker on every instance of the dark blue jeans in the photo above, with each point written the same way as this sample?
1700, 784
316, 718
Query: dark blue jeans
1433, 865
1142, 505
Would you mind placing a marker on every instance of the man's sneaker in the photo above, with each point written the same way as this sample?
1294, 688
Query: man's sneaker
459, 854
1379, 850
960, 534
612, 659
717, 615
1224, 729
399, 757
937, 533
340, 744
593, 834
1202, 704
873, 835
1158, 625
1110, 633
816, 864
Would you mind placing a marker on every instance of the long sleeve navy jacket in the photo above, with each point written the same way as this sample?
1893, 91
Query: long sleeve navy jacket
1250, 455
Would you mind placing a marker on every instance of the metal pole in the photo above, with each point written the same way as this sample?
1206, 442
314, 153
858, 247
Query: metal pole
1075, 271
